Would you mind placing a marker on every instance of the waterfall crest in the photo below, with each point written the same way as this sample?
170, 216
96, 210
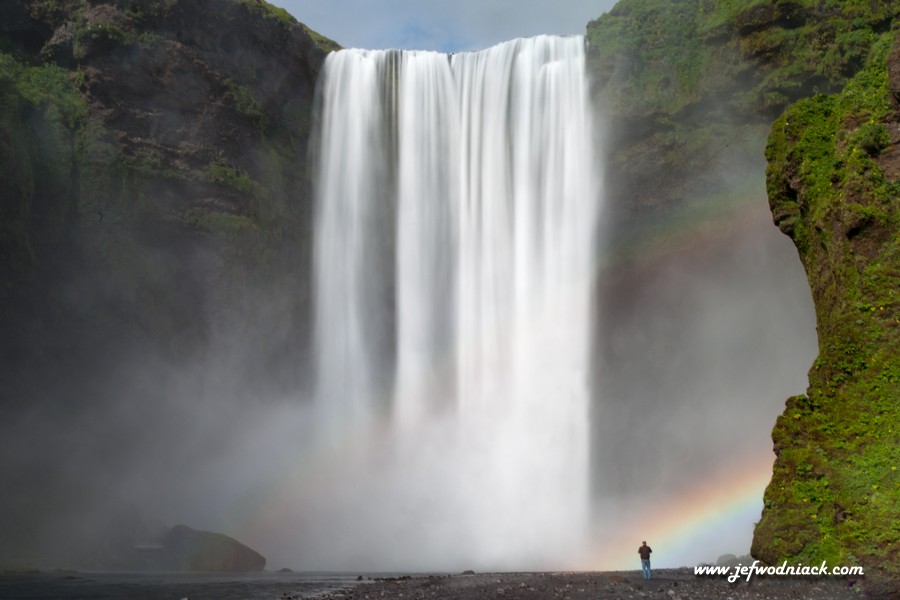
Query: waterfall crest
456, 200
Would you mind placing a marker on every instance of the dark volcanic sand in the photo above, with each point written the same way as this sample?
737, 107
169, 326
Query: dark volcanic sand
667, 584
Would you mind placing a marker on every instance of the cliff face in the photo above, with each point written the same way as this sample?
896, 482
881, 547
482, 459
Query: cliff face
154, 168
154, 226
155, 204
695, 84
690, 89
187, 549
834, 185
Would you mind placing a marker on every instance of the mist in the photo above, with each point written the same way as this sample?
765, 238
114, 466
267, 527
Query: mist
705, 326
696, 341
699, 357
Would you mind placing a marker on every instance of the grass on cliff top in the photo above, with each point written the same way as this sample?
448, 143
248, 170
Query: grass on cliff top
660, 55
650, 47
263, 8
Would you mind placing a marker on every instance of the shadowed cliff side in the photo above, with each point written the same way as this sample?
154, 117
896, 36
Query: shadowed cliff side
834, 185
161, 150
154, 242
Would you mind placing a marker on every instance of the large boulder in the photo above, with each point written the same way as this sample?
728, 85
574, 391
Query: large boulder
186, 549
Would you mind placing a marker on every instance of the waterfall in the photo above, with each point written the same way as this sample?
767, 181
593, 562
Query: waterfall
456, 200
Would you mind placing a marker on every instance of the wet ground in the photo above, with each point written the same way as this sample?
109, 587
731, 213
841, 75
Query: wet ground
667, 584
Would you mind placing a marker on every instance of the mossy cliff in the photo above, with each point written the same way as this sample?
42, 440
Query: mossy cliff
155, 217
690, 89
692, 83
153, 172
155, 212
834, 188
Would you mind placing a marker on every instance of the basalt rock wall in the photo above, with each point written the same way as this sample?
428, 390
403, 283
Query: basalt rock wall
155, 169
155, 215
156, 205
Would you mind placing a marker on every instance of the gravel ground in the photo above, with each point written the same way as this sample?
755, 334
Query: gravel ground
667, 584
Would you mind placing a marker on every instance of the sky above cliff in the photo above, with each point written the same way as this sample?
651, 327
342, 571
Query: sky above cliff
441, 25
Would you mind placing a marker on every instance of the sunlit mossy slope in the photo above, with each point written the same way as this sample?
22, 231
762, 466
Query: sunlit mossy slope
834, 188
690, 90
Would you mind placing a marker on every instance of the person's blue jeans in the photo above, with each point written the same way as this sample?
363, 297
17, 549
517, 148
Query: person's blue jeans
645, 567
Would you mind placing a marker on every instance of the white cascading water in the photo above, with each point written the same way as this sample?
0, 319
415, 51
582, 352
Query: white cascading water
456, 204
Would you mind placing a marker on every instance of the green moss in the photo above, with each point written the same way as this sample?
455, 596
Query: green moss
654, 44
40, 115
673, 53
149, 162
246, 103
98, 37
149, 10
321, 41
260, 7
46, 88
54, 12
721, 14
220, 171
824, 173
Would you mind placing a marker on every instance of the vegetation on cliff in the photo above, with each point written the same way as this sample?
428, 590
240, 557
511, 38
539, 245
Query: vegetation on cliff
834, 184
40, 111
148, 148
675, 54
692, 85
690, 89
153, 169
155, 214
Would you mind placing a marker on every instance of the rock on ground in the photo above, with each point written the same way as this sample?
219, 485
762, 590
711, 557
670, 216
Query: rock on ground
667, 584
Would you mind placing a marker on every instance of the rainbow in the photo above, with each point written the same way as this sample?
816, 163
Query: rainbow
683, 528
687, 527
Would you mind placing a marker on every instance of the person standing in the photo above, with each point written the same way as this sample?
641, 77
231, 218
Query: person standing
645, 551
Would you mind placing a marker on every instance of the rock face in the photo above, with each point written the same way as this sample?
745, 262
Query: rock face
176, 549
834, 184
690, 90
156, 158
155, 204
154, 218
691, 84
186, 549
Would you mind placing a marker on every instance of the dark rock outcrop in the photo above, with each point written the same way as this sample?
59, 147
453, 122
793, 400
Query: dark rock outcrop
186, 549
155, 216
177, 549
174, 134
